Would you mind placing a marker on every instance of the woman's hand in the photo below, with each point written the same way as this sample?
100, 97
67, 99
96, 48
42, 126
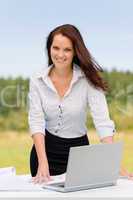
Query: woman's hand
43, 174
124, 172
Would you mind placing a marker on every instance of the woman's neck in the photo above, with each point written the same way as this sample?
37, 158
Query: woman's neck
61, 73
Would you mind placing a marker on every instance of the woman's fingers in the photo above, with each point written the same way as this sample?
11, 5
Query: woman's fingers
38, 179
127, 174
130, 176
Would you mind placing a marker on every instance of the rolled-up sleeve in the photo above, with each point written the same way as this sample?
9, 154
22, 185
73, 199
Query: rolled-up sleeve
36, 117
99, 110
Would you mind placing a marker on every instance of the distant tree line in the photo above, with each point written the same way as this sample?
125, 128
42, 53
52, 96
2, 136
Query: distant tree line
14, 104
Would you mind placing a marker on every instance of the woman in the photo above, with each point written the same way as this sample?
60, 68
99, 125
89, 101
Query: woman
58, 101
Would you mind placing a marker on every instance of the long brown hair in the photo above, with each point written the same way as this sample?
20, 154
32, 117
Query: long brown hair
82, 56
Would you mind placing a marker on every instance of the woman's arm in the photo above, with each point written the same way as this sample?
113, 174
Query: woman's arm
36, 120
104, 125
99, 110
39, 141
43, 168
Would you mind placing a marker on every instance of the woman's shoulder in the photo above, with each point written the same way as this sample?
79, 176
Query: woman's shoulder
90, 87
42, 73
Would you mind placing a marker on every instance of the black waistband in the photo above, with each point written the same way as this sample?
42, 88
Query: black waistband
56, 139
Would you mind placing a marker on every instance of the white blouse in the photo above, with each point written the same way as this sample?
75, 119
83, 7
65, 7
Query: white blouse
66, 117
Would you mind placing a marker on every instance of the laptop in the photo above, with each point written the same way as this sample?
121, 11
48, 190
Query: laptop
91, 166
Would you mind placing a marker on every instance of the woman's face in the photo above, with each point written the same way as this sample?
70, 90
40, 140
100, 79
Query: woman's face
62, 51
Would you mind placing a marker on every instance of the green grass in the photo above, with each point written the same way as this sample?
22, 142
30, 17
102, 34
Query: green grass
15, 149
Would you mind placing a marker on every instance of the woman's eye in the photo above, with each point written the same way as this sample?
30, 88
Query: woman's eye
56, 48
67, 50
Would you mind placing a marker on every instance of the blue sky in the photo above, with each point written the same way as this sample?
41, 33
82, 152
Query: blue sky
106, 26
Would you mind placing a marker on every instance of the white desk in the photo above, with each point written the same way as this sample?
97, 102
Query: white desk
123, 190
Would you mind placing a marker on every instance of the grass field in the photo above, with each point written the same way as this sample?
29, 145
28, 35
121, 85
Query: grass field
15, 149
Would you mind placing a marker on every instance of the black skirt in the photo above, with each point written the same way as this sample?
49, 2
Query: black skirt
57, 150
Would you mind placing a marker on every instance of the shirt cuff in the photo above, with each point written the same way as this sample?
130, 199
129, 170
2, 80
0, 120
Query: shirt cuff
35, 130
106, 132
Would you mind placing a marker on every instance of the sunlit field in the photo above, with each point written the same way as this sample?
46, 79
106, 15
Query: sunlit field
15, 149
